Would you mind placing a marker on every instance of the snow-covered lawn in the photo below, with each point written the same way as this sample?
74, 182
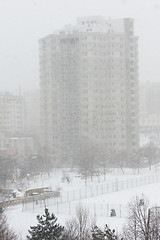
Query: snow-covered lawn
21, 217
55, 179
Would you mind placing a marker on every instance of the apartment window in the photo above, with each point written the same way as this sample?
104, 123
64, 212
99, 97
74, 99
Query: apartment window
84, 53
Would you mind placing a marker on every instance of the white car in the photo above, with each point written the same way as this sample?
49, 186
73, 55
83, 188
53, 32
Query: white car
16, 194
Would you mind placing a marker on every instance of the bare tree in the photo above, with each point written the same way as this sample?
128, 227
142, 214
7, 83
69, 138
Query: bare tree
120, 159
7, 169
81, 228
154, 213
104, 159
150, 151
143, 222
5, 232
78, 228
87, 155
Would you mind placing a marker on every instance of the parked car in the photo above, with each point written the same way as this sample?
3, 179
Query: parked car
16, 194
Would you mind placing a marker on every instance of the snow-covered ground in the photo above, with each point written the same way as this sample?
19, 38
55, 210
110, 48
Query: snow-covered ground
54, 180
21, 217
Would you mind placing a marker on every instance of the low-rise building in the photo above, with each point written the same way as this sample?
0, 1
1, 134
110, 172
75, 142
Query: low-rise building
11, 114
19, 146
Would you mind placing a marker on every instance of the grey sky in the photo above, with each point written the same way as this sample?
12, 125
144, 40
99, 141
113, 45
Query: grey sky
23, 22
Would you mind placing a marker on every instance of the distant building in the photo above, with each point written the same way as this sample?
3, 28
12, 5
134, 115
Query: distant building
19, 123
150, 107
149, 98
32, 113
11, 114
149, 120
89, 86
16, 147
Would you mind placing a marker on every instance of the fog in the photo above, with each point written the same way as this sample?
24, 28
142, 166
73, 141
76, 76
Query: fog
23, 22
79, 115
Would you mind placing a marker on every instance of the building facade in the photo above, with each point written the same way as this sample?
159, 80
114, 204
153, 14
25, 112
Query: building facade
11, 114
89, 86
149, 107
32, 113
149, 120
16, 147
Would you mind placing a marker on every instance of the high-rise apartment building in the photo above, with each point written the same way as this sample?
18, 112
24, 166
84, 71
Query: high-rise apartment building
89, 86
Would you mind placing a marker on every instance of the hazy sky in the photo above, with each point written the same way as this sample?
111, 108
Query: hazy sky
23, 22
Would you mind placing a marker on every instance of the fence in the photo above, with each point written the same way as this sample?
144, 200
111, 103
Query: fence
70, 208
67, 198
100, 189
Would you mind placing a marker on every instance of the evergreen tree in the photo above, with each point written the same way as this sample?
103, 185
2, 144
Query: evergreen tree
108, 234
46, 229
97, 234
